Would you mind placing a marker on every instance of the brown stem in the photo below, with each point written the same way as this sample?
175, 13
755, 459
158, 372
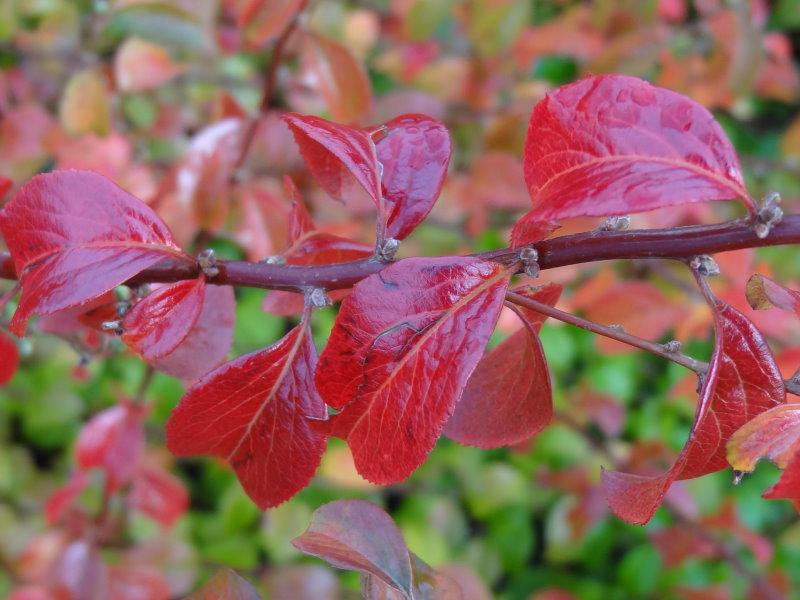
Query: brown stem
675, 243
609, 332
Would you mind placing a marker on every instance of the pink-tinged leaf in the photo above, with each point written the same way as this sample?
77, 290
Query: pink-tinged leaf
403, 346
80, 573
9, 358
415, 152
338, 77
358, 535
763, 293
263, 20
254, 413
208, 342
300, 222
75, 235
32, 592
140, 65
127, 582
226, 585
530, 228
509, 397
788, 485
742, 381
157, 324
302, 582
112, 440
64, 497
159, 494
613, 145
334, 153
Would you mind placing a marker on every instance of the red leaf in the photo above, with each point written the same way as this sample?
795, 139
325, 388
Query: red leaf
127, 582
358, 535
80, 573
208, 342
300, 222
788, 485
415, 153
226, 585
508, 398
763, 293
530, 229
403, 346
742, 381
157, 324
9, 358
63, 498
74, 235
254, 413
112, 440
613, 145
160, 495
338, 77
331, 151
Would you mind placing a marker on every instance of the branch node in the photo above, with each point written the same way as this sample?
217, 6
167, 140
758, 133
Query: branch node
705, 265
388, 250
317, 298
672, 346
615, 223
769, 215
112, 326
617, 327
207, 261
737, 477
530, 261
273, 260
123, 306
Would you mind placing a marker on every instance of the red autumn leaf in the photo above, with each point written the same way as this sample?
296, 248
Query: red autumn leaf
530, 229
358, 535
742, 381
338, 77
112, 440
508, 397
263, 20
61, 500
300, 222
9, 358
74, 235
129, 582
763, 293
226, 585
5, 186
415, 153
403, 346
334, 153
79, 572
788, 485
613, 145
159, 494
157, 324
208, 342
140, 65
254, 413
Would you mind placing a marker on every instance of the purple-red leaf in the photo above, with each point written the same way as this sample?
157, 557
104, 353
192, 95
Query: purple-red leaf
159, 494
226, 585
74, 235
613, 145
742, 381
403, 346
157, 324
358, 535
334, 153
9, 358
508, 398
415, 153
208, 342
254, 413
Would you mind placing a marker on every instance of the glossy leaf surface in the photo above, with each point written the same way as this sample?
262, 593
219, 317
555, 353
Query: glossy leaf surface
159, 322
508, 398
208, 342
614, 145
74, 235
742, 381
254, 413
415, 153
358, 535
403, 346
334, 153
